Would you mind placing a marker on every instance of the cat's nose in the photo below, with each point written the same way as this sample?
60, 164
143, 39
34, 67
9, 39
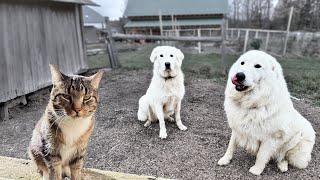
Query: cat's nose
77, 110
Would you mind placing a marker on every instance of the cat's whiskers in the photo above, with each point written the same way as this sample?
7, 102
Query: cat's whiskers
59, 118
63, 119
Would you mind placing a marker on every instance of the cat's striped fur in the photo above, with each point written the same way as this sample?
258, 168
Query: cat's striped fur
61, 136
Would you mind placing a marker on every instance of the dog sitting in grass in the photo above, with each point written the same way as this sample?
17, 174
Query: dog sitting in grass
61, 136
262, 117
166, 90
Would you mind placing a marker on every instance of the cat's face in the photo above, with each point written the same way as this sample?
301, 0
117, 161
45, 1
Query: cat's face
74, 96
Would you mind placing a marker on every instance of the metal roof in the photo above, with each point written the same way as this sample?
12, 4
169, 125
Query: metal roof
91, 16
84, 2
184, 22
175, 7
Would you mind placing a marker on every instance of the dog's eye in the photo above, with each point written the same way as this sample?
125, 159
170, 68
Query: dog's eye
242, 63
161, 55
171, 55
257, 66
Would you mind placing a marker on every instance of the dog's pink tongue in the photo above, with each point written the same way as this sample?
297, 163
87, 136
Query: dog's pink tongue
234, 80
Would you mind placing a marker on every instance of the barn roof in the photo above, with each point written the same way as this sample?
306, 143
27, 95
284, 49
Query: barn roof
175, 7
91, 16
84, 2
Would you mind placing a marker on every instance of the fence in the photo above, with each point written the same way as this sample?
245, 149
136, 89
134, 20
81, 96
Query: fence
178, 35
275, 42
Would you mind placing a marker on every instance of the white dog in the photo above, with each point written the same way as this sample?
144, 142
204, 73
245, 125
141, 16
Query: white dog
164, 95
262, 117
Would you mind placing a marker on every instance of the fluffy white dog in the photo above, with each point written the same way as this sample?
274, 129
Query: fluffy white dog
166, 90
262, 117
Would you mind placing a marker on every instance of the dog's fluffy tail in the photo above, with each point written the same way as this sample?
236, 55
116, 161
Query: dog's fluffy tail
143, 109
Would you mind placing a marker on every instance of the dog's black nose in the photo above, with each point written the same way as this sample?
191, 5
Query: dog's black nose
240, 76
167, 64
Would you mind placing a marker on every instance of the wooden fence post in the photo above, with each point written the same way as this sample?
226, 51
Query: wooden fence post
231, 34
160, 23
199, 43
246, 41
288, 31
172, 23
223, 47
267, 41
111, 49
238, 35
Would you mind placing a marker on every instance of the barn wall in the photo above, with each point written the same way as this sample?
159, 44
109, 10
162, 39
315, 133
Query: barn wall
32, 35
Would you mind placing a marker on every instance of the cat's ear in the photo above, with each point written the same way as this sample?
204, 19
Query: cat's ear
96, 78
56, 75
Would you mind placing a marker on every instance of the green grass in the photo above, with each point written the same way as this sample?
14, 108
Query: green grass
98, 61
302, 74
303, 77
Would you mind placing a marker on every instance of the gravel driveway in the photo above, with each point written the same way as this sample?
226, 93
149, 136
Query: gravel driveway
121, 143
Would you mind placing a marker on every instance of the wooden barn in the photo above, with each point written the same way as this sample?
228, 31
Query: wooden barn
143, 15
34, 33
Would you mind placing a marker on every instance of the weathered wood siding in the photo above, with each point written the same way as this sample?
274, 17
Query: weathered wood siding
32, 35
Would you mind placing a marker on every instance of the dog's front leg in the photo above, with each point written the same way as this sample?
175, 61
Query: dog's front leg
265, 152
230, 150
178, 118
159, 113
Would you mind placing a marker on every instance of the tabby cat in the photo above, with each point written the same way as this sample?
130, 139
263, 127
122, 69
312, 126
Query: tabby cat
61, 136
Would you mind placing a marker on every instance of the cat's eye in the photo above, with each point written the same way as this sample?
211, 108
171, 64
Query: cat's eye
242, 63
65, 97
257, 66
171, 55
161, 55
87, 98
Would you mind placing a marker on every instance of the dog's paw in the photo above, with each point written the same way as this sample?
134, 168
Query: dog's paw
170, 119
224, 161
283, 166
182, 127
163, 134
147, 124
142, 118
256, 170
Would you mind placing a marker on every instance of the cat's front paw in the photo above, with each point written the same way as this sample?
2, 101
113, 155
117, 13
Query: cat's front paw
256, 170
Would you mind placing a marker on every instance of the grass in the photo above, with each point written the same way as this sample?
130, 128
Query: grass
303, 77
302, 74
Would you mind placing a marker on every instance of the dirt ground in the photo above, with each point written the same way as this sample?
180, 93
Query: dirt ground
121, 143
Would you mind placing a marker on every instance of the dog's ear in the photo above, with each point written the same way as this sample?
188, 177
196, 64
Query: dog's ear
180, 56
277, 69
154, 54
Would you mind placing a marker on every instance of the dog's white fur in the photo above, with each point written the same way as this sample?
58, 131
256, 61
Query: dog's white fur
263, 119
166, 90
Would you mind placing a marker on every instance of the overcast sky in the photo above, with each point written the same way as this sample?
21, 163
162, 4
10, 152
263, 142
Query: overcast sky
111, 8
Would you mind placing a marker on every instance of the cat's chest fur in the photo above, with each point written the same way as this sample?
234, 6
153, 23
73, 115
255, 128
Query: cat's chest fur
72, 130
